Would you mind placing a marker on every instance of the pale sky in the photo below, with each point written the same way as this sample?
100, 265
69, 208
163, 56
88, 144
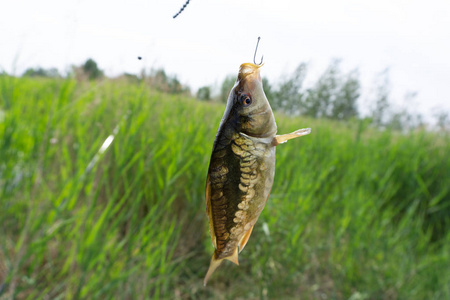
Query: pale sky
211, 38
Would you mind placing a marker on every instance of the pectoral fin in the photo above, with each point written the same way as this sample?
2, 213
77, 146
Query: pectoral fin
279, 139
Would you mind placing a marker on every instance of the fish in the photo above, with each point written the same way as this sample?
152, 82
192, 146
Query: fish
242, 166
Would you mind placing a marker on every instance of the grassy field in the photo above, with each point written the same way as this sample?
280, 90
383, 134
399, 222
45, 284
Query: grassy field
102, 197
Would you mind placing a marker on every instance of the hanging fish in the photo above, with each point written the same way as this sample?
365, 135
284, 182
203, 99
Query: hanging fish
242, 166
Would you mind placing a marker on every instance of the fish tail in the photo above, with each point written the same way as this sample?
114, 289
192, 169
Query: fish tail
215, 263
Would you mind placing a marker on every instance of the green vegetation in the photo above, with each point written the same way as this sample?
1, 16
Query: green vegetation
91, 69
335, 95
41, 72
102, 197
204, 93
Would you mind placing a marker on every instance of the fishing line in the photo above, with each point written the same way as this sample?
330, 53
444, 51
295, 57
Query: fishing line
181, 9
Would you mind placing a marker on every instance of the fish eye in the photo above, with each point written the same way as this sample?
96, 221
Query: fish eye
245, 99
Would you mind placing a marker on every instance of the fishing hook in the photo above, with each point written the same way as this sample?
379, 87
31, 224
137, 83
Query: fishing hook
254, 56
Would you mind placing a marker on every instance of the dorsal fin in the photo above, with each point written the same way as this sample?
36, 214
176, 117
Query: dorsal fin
208, 211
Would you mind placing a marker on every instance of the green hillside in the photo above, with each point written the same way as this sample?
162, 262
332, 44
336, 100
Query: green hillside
355, 213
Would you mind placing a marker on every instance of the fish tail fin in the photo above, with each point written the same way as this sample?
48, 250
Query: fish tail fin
215, 263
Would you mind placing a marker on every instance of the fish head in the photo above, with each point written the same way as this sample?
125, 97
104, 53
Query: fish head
248, 107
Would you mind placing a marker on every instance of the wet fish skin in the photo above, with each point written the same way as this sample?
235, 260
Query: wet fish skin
242, 166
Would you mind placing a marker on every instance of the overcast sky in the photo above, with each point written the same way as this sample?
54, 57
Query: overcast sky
211, 38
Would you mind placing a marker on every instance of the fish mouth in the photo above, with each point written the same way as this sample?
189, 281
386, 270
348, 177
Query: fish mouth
249, 71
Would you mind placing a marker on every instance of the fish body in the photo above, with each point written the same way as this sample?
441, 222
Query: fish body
242, 166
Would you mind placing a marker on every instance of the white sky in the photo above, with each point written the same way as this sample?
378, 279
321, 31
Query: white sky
211, 38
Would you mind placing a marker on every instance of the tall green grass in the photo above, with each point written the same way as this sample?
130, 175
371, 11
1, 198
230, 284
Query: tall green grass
102, 196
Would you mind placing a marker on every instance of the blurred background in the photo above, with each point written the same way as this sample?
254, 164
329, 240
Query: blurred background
108, 112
